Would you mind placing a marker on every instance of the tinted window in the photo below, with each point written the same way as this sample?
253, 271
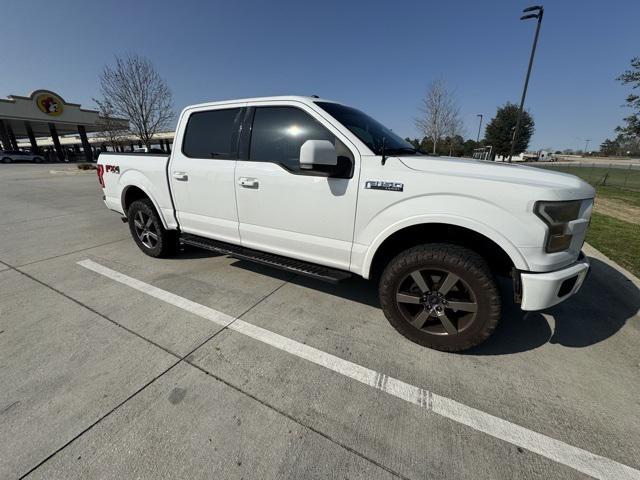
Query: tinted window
279, 132
369, 131
212, 134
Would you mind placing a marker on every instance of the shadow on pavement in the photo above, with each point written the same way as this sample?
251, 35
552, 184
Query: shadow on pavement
605, 302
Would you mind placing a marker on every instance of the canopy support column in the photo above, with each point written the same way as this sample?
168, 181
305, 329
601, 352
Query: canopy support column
88, 154
12, 137
56, 142
4, 137
32, 138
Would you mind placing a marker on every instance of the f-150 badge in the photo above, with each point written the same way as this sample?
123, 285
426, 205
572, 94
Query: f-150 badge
379, 185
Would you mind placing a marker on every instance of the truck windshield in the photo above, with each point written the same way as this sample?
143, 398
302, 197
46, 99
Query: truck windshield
370, 131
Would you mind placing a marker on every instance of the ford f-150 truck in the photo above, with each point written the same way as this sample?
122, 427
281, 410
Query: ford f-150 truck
321, 189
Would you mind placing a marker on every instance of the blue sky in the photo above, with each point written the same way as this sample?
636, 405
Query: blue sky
377, 56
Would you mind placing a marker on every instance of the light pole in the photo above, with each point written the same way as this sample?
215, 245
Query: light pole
479, 127
540, 11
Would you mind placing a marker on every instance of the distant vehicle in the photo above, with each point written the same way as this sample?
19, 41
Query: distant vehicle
545, 156
147, 150
10, 156
321, 189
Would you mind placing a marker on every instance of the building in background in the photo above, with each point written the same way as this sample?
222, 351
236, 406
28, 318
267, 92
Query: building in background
44, 123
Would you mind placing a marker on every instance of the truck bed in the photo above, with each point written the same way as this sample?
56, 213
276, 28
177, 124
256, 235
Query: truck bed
148, 172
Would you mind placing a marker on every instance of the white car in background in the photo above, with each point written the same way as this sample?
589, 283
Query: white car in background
11, 156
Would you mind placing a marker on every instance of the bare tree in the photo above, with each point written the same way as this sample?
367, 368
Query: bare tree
133, 89
454, 127
112, 129
439, 113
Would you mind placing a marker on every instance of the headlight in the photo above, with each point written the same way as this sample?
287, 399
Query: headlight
557, 216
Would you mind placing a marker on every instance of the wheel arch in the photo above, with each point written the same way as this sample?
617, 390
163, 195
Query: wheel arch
501, 255
131, 193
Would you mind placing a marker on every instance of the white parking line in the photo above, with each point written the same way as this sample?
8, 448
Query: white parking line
577, 458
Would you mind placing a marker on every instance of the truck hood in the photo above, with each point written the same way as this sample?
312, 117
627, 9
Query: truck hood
563, 185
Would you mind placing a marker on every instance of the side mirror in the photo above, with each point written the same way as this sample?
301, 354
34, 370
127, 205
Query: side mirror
317, 152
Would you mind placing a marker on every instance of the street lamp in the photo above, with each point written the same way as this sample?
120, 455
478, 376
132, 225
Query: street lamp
479, 127
539, 9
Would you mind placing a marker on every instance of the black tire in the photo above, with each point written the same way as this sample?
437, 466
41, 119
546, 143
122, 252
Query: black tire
456, 306
147, 230
38, 160
6, 160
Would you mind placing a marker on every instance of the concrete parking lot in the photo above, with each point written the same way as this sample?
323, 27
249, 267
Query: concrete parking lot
203, 366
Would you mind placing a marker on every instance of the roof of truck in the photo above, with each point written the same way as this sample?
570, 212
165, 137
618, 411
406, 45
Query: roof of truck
298, 98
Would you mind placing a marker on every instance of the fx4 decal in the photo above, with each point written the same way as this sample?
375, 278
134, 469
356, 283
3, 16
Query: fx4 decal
112, 169
380, 185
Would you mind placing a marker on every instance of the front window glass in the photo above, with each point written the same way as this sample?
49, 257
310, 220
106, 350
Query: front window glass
279, 132
371, 132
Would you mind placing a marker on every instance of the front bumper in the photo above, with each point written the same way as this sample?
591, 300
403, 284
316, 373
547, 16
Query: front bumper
544, 290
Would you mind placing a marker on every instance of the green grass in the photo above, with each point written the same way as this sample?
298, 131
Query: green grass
596, 175
630, 197
618, 240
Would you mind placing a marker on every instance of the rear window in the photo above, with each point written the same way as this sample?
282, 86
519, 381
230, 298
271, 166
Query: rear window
212, 134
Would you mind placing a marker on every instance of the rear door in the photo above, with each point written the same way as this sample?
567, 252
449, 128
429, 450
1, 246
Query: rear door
307, 215
201, 172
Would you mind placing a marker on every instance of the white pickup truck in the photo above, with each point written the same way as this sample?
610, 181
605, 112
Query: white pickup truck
321, 189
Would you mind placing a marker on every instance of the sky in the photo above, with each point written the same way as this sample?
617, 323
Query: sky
376, 56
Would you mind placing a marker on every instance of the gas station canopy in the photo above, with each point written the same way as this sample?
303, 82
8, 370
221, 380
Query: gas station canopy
45, 114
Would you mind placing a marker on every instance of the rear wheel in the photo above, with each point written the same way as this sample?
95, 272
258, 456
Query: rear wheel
6, 160
147, 230
441, 296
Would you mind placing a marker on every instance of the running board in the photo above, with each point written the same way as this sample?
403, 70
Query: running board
326, 274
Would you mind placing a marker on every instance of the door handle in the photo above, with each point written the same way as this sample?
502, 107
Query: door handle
247, 182
181, 176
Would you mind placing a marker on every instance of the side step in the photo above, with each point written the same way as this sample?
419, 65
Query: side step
299, 267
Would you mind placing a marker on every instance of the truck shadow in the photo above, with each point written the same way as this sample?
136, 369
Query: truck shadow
602, 307
606, 301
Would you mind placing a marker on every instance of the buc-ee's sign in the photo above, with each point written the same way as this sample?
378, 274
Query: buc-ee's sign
49, 104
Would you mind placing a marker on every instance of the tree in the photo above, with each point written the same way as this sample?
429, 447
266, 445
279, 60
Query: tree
439, 113
629, 145
632, 77
111, 128
499, 131
133, 89
610, 147
454, 129
468, 147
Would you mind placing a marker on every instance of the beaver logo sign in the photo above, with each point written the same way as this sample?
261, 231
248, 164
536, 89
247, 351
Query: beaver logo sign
49, 104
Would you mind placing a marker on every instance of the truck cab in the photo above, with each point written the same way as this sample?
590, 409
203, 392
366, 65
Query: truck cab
324, 190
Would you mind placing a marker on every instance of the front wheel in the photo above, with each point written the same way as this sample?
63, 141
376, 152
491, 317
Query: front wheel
6, 160
441, 296
147, 230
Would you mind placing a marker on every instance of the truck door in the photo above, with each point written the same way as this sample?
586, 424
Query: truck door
308, 215
201, 172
